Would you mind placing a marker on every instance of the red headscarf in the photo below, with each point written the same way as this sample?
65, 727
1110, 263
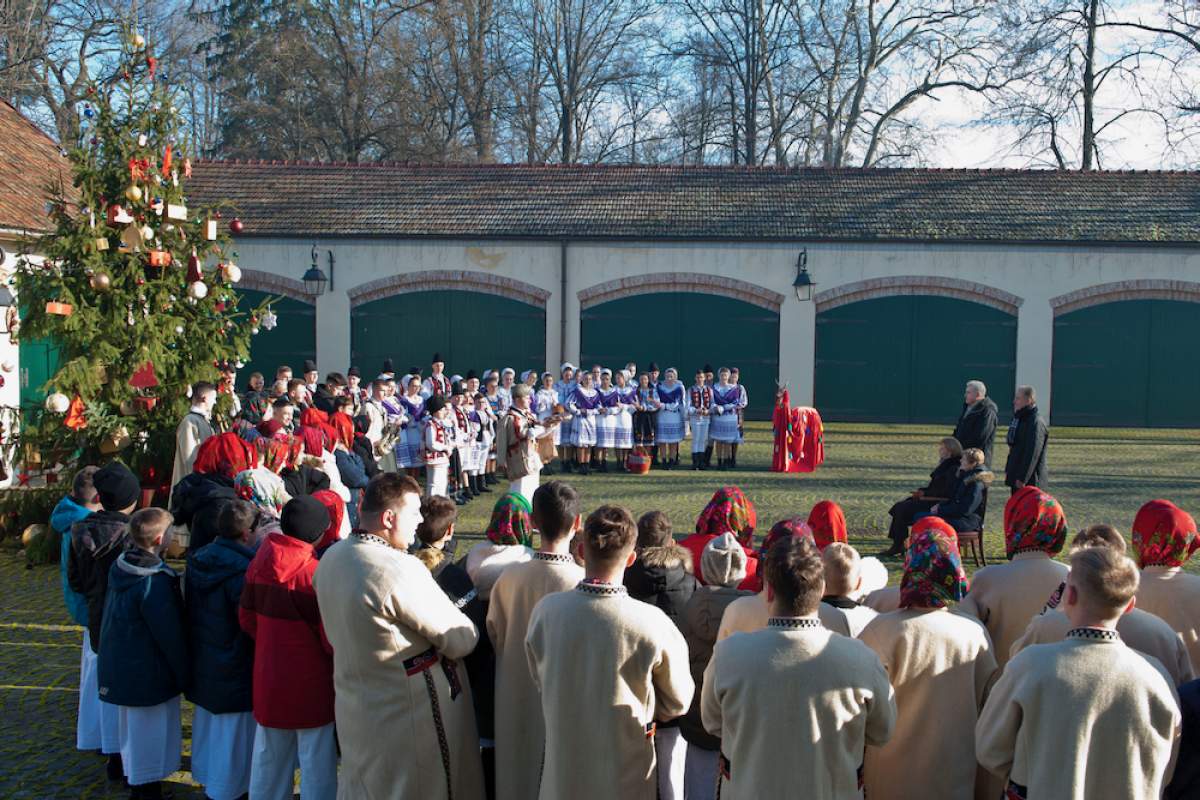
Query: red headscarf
785, 528
344, 427
337, 509
1033, 520
729, 511
225, 453
1163, 535
275, 454
828, 523
269, 427
933, 524
314, 439
933, 571
316, 418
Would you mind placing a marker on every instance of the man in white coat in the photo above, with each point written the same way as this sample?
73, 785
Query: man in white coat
397, 640
193, 429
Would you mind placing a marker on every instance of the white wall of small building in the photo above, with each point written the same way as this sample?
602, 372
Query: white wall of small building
1032, 273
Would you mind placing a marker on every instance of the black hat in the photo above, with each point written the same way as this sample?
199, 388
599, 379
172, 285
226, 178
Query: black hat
117, 487
353, 372
457, 388
435, 404
304, 518
436, 358
652, 368
309, 365
414, 370
388, 369
471, 374
708, 368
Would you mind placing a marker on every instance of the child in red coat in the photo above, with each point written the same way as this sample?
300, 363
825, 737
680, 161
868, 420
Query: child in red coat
293, 661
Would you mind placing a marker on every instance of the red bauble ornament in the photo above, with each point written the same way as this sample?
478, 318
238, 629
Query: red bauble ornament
236, 225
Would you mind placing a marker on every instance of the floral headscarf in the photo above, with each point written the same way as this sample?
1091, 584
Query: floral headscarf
1163, 535
783, 529
729, 511
510, 523
263, 488
933, 571
225, 453
828, 523
337, 509
276, 454
1033, 520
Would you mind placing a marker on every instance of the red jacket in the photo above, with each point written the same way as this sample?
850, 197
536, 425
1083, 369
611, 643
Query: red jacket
293, 661
696, 543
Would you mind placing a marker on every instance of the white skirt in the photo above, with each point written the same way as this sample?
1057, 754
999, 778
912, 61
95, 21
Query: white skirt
110, 725
222, 749
606, 430
151, 741
584, 432
408, 448
87, 725
724, 428
669, 427
623, 435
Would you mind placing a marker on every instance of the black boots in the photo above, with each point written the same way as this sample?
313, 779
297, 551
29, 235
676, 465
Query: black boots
146, 791
695, 461
706, 462
491, 479
114, 769
481, 485
473, 485
568, 465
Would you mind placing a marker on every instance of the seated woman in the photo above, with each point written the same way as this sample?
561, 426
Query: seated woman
940, 486
963, 508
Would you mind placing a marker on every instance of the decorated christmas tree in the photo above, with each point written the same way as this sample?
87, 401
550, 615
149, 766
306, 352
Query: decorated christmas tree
136, 288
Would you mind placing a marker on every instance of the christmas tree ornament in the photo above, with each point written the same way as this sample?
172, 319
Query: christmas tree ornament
137, 41
7, 366
147, 233
254, 331
57, 403
236, 225
187, 168
115, 441
210, 229
144, 377
142, 140
166, 162
178, 329
100, 243
177, 212
269, 320
126, 408
61, 309
160, 258
197, 290
131, 239
133, 193
231, 272
101, 281
75, 419
157, 206
88, 112
193, 268
117, 215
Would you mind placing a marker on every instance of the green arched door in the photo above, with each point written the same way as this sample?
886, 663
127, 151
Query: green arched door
906, 358
1131, 363
471, 330
290, 342
687, 330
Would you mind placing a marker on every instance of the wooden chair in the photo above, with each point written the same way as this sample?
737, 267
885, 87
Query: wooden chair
974, 539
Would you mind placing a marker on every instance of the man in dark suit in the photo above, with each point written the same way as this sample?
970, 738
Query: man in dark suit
977, 423
1027, 440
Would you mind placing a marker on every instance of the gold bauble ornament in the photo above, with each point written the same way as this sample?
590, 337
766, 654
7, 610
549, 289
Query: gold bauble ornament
138, 41
100, 282
133, 193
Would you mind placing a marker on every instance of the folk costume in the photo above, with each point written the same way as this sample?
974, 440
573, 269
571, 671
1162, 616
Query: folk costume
547, 399
509, 533
436, 386
1164, 538
1005, 597
397, 640
597, 636
794, 705
1086, 717
411, 412
724, 427
940, 664
729, 511
522, 461
193, 429
643, 417
438, 443
669, 422
520, 729
627, 400
606, 423
699, 406
584, 405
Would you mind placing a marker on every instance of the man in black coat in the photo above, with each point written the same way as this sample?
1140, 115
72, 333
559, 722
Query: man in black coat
1027, 441
977, 423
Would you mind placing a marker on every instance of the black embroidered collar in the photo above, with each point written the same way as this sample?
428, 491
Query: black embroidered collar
602, 589
1101, 634
795, 623
557, 558
838, 602
371, 538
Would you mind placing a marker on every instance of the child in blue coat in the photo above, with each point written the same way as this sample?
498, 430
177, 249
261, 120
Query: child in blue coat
144, 665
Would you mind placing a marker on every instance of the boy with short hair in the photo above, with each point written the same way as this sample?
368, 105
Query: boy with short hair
438, 444
143, 663
222, 656
520, 730
1087, 716
597, 636
793, 703
843, 579
293, 661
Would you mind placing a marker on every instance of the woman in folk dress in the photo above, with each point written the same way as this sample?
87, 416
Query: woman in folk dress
743, 401
565, 387
698, 408
606, 423
643, 416
585, 407
627, 402
669, 430
723, 419
545, 401
411, 409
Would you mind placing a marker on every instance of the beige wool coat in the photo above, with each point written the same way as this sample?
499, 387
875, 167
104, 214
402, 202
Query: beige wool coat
1174, 596
1141, 630
794, 705
750, 613
191, 432
520, 732
402, 703
1005, 597
941, 665
1081, 719
607, 667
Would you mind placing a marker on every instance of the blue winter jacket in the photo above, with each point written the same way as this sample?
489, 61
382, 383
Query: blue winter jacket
64, 515
222, 655
143, 645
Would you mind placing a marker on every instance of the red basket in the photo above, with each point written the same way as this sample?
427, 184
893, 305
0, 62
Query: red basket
638, 461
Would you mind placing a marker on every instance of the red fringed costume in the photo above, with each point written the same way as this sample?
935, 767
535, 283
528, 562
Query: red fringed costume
799, 437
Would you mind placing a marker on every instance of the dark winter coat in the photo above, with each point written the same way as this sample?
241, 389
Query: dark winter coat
662, 576
197, 502
1185, 783
481, 663
963, 508
143, 646
324, 400
96, 541
366, 451
700, 623
222, 654
977, 427
254, 406
64, 515
303, 480
1027, 441
943, 479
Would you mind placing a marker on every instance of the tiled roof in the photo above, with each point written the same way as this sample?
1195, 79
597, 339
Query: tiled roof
29, 161
276, 198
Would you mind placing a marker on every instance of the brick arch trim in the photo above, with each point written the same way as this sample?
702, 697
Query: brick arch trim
681, 282
918, 284
1150, 289
275, 284
459, 280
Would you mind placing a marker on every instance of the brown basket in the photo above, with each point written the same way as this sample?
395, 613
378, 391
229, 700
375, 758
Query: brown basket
638, 461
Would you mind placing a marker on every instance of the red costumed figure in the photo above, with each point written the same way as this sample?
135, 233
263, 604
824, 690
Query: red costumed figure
799, 437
